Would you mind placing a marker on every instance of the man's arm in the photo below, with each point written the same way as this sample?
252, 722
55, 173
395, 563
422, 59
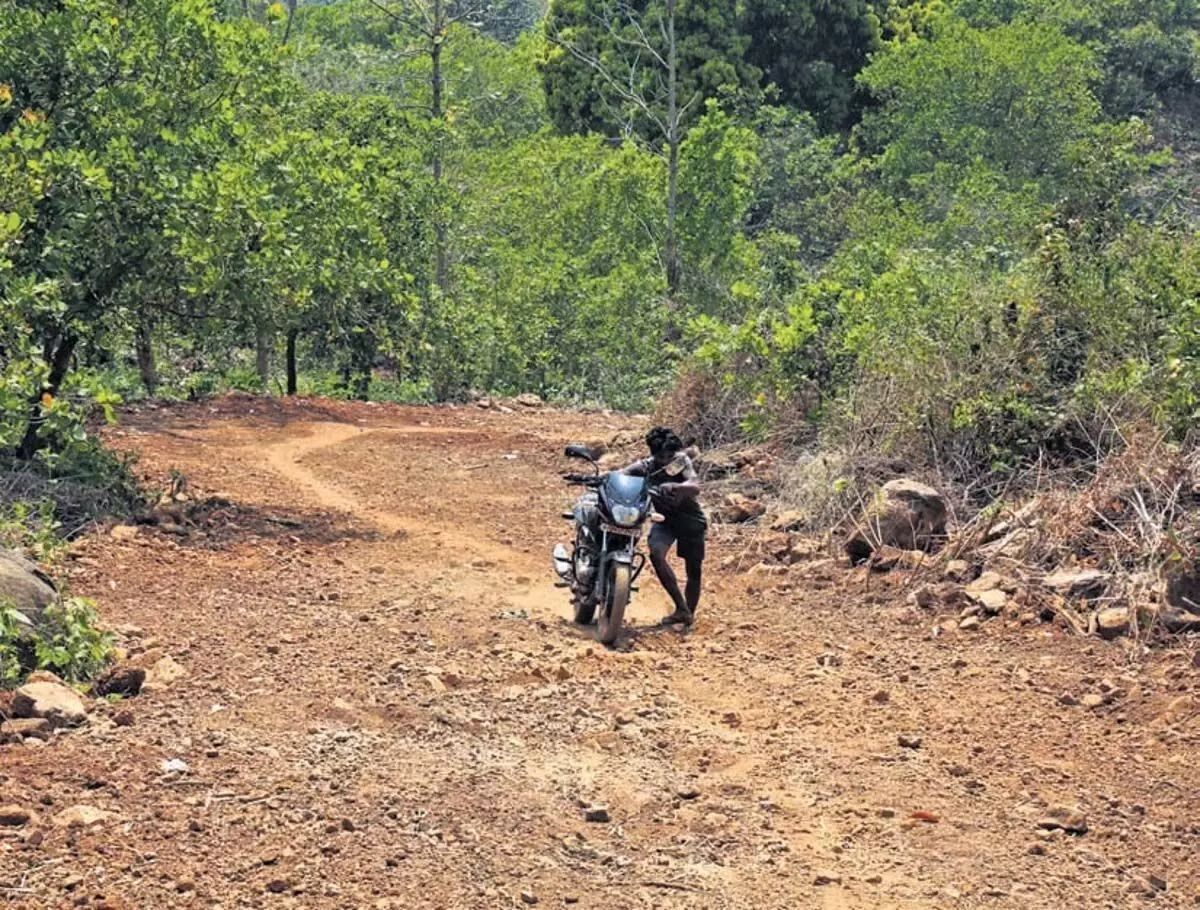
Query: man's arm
688, 486
637, 469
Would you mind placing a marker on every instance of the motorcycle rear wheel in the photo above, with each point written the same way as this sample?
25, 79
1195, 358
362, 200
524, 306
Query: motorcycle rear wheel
612, 615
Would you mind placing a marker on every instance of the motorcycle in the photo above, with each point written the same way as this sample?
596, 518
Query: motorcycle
604, 562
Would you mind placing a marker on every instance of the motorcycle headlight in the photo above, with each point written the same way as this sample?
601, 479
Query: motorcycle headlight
626, 516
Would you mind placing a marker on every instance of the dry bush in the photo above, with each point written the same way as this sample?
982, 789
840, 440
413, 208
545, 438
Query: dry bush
833, 488
81, 490
979, 461
712, 411
701, 411
1137, 518
824, 489
1139, 512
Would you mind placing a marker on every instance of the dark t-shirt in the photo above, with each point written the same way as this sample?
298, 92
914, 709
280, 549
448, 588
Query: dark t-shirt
686, 518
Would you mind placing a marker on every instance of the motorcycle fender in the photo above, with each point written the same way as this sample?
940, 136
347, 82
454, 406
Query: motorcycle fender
622, 558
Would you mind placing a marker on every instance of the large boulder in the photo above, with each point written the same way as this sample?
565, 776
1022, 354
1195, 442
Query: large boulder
1077, 584
739, 509
905, 515
1183, 587
51, 701
25, 586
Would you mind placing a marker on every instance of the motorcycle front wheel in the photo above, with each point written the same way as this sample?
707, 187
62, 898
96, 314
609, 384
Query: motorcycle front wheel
612, 614
585, 607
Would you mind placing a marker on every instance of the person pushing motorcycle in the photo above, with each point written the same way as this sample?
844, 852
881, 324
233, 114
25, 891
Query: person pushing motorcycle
684, 523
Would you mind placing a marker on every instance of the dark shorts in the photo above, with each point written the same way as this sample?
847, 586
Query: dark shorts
691, 546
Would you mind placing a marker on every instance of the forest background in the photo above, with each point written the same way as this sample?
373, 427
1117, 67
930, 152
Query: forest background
961, 233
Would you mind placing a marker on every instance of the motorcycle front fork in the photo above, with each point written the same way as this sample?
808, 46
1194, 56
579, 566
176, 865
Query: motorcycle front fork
599, 577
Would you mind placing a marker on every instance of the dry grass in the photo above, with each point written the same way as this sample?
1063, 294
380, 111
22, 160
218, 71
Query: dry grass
1137, 518
1138, 511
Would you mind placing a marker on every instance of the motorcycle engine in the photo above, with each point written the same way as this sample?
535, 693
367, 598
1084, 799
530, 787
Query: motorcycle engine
584, 567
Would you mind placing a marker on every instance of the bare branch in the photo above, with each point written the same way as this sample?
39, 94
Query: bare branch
642, 42
628, 93
392, 14
696, 96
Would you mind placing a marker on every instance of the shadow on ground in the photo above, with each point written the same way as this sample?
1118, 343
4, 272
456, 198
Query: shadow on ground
217, 524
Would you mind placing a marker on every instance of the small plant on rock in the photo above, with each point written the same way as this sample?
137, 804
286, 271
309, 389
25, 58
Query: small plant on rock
67, 641
11, 645
71, 643
32, 527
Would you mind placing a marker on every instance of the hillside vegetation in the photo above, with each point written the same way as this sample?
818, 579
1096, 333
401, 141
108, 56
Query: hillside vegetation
964, 233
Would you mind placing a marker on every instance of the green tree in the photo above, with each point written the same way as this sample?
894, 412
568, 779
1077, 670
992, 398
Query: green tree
1148, 51
1016, 99
559, 290
605, 51
650, 73
130, 99
811, 53
426, 30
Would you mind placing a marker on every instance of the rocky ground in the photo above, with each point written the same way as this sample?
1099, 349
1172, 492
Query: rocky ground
364, 692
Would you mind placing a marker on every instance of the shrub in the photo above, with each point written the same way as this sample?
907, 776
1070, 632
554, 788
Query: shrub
32, 527
64, 494
748, 381
67, 641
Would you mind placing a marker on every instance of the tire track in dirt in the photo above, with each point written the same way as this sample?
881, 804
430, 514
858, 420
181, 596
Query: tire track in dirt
287, 457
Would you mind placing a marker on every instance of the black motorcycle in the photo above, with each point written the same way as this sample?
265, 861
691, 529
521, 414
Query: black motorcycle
604, 563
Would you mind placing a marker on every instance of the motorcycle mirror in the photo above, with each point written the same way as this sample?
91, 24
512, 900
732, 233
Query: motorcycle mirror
578, 451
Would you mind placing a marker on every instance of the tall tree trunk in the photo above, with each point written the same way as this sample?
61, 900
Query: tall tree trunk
287, 32
291, 361
674, 268
437, 114
60, 361
673, 139
262, 356
145, 359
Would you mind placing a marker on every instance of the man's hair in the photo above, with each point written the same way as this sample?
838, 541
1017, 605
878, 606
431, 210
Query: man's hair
664, 440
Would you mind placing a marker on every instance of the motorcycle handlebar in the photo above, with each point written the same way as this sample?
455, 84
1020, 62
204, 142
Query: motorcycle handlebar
594, 480
583, 480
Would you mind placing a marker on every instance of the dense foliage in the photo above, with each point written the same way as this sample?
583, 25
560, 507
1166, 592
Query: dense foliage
959, 229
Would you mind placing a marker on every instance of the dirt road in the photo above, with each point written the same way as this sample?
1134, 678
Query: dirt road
386, 706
